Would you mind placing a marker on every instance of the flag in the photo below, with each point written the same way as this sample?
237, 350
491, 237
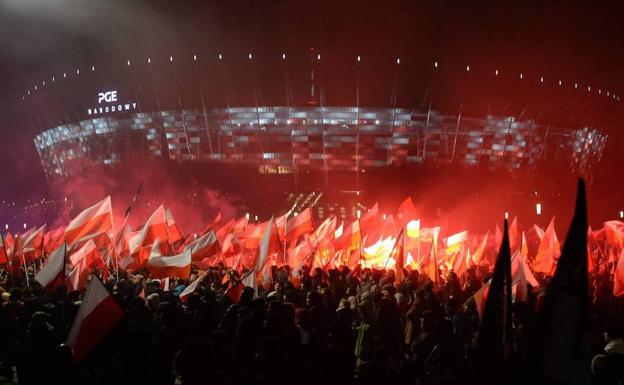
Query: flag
400, 259
193, 286
95, 219
240, 225
514, 234
80, 264
350, 239
51, 272
477, 255
614, 233
454, 247
618, 276
33, 245
175, 234
155, 228
160, 266
548, 251
205, 246
253, 234
406, 212
4, 258
370, 220
562, 341
248, 280
97, 316
494, 341
431, 267
265, 244
53, 239
299, 225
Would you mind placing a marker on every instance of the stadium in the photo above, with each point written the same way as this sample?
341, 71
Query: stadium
293, 132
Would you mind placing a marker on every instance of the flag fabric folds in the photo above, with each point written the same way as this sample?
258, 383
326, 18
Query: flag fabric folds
178, 266
205, 246
52, 270
95, 219
97, 316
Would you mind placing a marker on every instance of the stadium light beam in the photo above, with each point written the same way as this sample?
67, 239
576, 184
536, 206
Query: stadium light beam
538, 209
621, 214
506, 215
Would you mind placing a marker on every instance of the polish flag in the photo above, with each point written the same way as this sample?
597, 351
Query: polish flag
351, 238
81, 263
477, 255
97, 316
370, 220
53, 239
240, 225
268, 244
253, 234
160, 266
231, 245
614, 232
50, 274
205, 246
224, 230
154, 228
406, 212
175, 234
33, 245
548, 251
193, 286
299, 225
96, 219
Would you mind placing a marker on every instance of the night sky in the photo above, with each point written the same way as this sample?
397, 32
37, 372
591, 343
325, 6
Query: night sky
573, 40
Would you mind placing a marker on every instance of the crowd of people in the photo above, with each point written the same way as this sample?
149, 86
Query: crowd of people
337, 326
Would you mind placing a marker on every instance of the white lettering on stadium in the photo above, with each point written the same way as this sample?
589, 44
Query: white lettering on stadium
113, 108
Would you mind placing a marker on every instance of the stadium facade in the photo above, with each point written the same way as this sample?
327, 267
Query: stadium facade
284, 140
278, 135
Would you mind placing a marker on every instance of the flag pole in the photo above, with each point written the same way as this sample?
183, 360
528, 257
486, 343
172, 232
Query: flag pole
25, 270
396, 243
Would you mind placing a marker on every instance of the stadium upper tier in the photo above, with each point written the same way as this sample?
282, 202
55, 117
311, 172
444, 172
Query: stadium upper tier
279, 139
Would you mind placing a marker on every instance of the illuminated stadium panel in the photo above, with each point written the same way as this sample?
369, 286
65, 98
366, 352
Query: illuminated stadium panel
283, 139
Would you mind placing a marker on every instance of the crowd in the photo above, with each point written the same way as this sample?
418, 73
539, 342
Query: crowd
335, 327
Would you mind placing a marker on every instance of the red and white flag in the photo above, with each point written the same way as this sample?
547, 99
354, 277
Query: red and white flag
50, 274
548, 251
298, 225
175, 234
96, 219
97, 316
205, 246
33, 245
160, 266
53, 239
193, 286
80, 264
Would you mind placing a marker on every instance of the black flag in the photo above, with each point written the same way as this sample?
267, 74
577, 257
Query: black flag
562, 345
493, 350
